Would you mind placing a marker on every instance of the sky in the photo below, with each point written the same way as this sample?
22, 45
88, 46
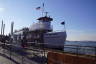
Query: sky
79, 16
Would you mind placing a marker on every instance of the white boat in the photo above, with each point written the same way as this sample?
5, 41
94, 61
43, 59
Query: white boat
42, 32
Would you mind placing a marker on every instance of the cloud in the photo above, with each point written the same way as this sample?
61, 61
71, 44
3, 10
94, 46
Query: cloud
2, 9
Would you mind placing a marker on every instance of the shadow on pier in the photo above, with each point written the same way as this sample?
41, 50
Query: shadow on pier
3, 55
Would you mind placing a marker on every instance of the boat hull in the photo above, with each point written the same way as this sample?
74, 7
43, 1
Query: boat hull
55, 40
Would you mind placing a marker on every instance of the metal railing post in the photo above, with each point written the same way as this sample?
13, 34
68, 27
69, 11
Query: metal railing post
22, 59
77, 50
95, 53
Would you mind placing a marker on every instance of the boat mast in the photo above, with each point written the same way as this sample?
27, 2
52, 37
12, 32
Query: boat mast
1, 27
43, 8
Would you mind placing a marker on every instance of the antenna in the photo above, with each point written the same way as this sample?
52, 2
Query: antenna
46, 13
43, 10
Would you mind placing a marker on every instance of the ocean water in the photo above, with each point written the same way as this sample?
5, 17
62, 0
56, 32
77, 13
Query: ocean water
81, 43
80, 47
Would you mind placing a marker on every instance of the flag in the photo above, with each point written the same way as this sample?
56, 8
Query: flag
62, 23
38, 8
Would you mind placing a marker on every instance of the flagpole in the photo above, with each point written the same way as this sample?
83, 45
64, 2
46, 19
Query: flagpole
63, 23
64, 28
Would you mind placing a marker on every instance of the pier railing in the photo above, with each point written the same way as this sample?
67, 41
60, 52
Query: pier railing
77, 49
74, 49
89, 51
73, 54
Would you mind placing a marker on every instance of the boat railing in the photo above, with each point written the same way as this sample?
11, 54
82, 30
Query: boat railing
59, 31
